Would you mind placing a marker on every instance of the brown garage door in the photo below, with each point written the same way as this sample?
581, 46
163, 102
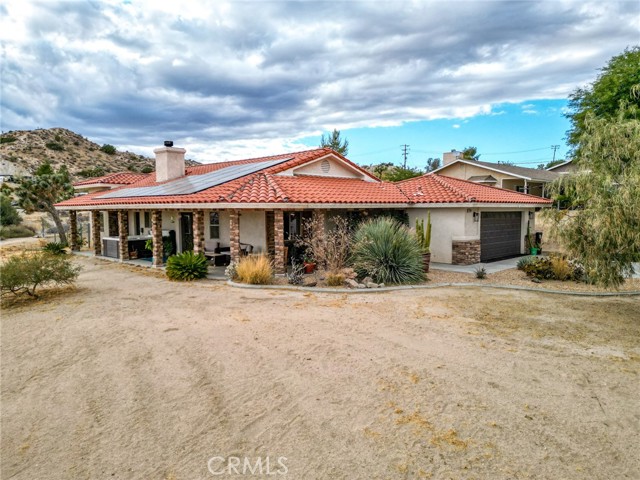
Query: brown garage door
499, 235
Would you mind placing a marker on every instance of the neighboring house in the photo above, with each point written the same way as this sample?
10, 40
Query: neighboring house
107, 182
563, 168
262, 202
510, 177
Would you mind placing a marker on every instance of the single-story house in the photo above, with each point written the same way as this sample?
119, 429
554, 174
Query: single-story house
107, 182
563, 168
510, 177
262, 202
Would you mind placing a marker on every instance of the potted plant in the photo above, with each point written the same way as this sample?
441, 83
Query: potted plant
531, 244
309, 263
423, 235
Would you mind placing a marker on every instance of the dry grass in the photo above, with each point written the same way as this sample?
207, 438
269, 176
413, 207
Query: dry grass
255, 270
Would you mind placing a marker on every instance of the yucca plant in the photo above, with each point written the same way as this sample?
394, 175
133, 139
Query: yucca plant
187, 266
55, 248
387, 251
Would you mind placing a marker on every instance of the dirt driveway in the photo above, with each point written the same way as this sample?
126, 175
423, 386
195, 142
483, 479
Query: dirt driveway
133, 376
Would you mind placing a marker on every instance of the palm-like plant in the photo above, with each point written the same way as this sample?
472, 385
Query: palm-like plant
387, 251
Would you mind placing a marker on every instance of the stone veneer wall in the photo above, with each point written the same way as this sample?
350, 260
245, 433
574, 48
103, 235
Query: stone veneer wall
123, 234
73, 230
156, 234
465, 252
198, 231
234, 235
278, 234
96, 221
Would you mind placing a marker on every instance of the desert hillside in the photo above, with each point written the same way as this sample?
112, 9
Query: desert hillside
22, 151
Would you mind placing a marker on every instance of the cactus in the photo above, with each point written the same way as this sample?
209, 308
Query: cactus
424, 234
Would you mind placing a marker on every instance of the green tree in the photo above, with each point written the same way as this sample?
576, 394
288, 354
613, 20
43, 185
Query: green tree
45, 188
396, 174
604, 96
470, 153
334, 142
108, 149
552, 163
8, 214
432, 164
602, 226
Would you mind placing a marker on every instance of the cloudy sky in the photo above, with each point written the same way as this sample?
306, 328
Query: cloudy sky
244, 78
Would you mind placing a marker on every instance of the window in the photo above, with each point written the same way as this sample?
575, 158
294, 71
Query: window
214, 225
147, 219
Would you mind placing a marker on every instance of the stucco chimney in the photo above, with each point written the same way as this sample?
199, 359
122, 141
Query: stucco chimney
169, 162
449, 157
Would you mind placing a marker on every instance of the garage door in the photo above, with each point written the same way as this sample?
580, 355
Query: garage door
499, 235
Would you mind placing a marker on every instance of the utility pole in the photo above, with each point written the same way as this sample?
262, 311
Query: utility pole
554, 148
405, 154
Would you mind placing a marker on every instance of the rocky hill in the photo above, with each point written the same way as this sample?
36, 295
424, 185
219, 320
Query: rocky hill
22, 151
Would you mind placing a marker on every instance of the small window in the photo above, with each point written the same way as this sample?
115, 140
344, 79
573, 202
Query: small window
147, 219
214, 225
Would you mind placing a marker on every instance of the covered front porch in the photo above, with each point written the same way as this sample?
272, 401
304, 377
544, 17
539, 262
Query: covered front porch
223, 236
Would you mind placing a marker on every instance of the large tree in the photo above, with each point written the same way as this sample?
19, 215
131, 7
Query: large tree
601, 228
335, 142
470, 153
603, 97
44, 189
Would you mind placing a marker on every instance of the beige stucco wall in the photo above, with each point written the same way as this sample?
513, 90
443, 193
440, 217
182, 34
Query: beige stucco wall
211, 243
336, 169
464, 172
253, 229
446, 223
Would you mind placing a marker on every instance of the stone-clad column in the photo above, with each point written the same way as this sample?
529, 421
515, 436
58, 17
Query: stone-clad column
234, 235
73, 230
198, 231
156, 234
123, 234
280, 265
96, 222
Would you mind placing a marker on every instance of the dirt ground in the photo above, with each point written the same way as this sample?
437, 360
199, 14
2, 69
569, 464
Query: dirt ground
133, 376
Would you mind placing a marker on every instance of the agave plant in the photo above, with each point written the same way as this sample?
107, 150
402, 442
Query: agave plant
187, 266
387, 251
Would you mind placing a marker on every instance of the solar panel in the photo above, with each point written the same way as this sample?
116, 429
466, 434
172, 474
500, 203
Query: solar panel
195, 183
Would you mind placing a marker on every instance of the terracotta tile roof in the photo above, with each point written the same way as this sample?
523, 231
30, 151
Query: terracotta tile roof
120, 178
434, 188
266, 186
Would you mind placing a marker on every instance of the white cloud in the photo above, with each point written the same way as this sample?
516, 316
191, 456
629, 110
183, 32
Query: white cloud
238, 78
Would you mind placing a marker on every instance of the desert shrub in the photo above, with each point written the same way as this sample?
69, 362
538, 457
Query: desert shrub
331, 250
146, 169
335, 279
54, 146
255, 270
55, 248
25, 273
187, 266
555, 267
481, 273
524, 261
296, 276
561, 268
7, 139
387, 251
8, 213
230, 272
108, 149
16, 231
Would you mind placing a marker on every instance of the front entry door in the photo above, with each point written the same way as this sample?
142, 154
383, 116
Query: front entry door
186, 229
